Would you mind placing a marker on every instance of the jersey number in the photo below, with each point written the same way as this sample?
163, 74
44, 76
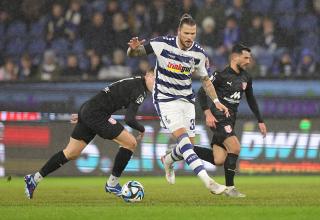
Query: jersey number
192, 124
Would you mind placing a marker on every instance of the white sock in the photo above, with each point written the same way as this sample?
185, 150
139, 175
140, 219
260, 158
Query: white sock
192, 159
113, 180
37, 177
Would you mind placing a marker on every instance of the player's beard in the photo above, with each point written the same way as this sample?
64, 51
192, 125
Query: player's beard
240, 68
184, 44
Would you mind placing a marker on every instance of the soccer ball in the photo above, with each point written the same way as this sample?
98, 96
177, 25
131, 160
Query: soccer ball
132, 191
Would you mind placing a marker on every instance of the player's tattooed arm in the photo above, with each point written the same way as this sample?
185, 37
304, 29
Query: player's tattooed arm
211, 92
136, 48
208, 88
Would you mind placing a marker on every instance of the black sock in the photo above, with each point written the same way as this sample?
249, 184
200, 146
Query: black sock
120, 161
204, 154
55, 162
230, 165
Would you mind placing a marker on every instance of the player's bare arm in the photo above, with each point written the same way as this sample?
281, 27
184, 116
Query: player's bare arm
136, 48
263, 129
211, 92
210, 119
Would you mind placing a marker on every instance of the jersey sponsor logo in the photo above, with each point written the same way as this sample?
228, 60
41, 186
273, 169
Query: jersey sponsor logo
244, 85
228, 129
235, 95
178, 68
140, 99
112, 121
229, 83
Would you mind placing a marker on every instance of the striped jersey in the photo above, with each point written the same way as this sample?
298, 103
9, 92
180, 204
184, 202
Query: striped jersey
174, 68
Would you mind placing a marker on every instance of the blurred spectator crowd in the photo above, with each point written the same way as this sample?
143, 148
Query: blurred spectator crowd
52, 40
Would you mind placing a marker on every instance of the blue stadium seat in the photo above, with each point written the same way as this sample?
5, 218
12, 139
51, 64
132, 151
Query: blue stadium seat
16, 46
37, 29
307, 23
16, 29
287, 22
36, 47
284, 6
301, 6
259, 6
78, 46
60, 46
310, 40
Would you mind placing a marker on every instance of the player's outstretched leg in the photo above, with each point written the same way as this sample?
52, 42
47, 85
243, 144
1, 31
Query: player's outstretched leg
32, 180
184, 148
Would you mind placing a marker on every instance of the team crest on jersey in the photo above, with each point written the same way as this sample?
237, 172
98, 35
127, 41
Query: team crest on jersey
140, 99
228, 128
244, 86
112, 121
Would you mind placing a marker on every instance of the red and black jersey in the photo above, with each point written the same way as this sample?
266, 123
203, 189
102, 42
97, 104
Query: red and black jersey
230, 86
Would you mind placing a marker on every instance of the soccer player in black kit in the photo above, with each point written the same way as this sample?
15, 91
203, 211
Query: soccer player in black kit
94, 118
230, 85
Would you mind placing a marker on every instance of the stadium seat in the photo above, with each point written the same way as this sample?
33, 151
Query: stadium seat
37, 29
301, 6
36, 47
284, 6
310, 40
16, 29
16, 46
307, 23
287, 22
78, 46
60, 46
259, 6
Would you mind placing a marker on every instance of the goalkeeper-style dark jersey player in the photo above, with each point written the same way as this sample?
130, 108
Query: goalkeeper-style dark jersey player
94, 118
230, 86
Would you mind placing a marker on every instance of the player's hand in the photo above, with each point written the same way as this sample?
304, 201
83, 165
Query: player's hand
135, 42
210, 119
223, 108
74, 118
140, 136
263, 129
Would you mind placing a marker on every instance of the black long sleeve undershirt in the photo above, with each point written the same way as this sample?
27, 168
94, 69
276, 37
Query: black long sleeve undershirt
130, 118
253, 103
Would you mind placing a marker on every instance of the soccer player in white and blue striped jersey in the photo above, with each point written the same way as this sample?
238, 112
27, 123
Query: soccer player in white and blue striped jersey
178, 57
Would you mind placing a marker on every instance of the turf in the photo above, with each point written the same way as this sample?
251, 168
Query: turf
268, 197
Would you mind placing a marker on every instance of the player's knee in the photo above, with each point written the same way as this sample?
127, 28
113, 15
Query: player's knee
219, 161
131, 144
71, 155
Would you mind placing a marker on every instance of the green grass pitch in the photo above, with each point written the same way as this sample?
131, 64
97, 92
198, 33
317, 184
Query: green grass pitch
268, 197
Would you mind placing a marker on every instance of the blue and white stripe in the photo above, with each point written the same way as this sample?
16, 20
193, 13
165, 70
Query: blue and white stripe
191, 158
171, 82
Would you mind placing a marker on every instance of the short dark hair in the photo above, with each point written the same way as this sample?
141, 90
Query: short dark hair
186, 19
238, 48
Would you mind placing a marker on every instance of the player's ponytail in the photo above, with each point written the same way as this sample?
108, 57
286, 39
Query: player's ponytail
186, 19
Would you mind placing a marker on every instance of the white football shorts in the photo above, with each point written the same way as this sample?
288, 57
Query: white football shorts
177, 114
